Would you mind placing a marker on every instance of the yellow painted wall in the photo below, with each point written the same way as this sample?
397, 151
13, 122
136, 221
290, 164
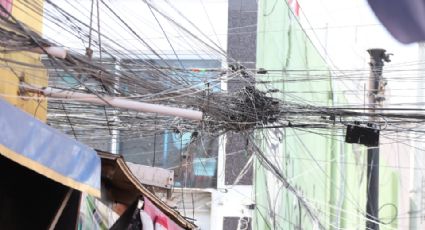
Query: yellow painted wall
29, 13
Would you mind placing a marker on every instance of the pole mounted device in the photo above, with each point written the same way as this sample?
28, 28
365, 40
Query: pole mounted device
376, 97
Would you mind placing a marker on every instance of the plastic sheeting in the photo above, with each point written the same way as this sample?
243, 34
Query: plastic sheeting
95, 215
35, 145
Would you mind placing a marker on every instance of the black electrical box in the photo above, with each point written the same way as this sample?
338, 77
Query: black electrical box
365, 135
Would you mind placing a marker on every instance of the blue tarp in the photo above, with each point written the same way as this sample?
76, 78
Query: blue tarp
37, 146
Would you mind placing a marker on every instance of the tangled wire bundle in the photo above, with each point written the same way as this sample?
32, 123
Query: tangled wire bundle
241, 111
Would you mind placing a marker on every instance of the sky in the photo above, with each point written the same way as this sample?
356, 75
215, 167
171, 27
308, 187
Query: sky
352, 28
343, 31
205, 15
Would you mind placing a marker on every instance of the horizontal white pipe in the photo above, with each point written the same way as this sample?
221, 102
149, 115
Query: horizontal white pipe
118, 103
55, 51
124, 104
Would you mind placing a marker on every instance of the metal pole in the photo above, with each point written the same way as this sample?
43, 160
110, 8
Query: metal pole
115, 137
376, 84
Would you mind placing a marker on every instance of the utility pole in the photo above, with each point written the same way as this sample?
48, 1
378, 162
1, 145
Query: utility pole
376, 87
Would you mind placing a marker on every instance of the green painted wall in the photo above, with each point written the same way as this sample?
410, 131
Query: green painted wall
328, 172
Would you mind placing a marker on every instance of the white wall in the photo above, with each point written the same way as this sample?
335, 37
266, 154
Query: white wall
230, 202
210, 16
210, 206
343, 31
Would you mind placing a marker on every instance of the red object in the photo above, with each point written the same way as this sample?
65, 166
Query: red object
7, 4
163, 222
158, 216
295, 6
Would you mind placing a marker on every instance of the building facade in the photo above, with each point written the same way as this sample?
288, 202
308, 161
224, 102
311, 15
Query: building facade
327, 174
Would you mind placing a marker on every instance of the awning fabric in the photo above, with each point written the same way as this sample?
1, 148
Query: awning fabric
37, 146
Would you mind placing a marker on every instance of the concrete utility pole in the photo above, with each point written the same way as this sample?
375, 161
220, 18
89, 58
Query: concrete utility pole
376, 87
